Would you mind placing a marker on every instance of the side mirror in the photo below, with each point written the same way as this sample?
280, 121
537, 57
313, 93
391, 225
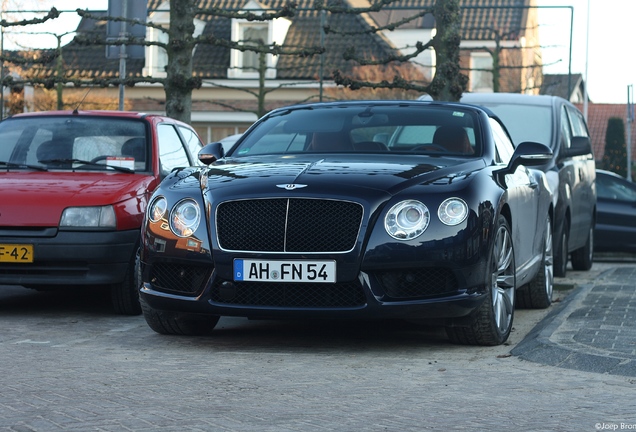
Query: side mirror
527, 153
211, 152
580, 146
530, 154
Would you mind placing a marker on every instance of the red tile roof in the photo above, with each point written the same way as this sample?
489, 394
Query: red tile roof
597, 117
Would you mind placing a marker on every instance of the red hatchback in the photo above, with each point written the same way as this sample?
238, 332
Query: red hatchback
73, 191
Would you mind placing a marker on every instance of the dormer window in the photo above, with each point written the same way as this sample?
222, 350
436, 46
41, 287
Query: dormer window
245, 64
256, 35
157, 57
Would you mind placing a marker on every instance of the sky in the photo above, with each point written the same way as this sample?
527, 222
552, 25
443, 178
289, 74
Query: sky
608, 47
603, 47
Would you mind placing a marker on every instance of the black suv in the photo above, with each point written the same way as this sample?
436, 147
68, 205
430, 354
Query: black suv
571, 173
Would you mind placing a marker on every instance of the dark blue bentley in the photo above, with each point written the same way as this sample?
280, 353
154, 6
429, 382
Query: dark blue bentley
370, 209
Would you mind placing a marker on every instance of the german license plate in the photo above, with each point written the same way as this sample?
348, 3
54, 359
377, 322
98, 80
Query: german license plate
284, 271
16, 253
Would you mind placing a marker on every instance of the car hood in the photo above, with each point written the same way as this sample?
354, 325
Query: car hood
335, 175
33, 198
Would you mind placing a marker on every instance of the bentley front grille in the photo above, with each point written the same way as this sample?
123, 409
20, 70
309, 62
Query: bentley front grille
418, 283
289, 295
294, 225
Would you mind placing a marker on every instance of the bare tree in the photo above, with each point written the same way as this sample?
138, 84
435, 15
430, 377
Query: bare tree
179, 81
513, 68
448, 83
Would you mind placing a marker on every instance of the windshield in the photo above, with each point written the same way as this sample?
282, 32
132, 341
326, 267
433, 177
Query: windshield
525, 122
387, 129
71, 142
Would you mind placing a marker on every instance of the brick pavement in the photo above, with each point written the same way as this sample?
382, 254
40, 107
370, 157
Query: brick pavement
68, 364
593, 330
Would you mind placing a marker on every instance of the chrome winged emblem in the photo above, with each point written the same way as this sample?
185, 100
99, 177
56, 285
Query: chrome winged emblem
291, 186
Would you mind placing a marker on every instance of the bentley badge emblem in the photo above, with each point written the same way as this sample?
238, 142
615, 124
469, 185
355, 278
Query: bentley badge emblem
291, 186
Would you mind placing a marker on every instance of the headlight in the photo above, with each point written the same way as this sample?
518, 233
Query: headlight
452, 211
407, 220
85, 217
185, 218
157, 209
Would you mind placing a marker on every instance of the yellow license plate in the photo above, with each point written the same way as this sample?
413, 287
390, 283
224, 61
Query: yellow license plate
16, 253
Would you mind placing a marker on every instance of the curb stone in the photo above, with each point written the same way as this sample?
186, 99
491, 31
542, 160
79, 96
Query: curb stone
538, 346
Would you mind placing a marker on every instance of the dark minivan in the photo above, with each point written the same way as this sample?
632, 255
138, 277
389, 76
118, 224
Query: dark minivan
554, 121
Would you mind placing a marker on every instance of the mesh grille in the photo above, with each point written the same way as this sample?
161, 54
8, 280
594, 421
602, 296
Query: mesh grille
288, 225
418, 283
178, 278
306, 295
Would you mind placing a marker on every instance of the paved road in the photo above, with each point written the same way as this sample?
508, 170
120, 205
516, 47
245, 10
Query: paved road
594, 329
69, 364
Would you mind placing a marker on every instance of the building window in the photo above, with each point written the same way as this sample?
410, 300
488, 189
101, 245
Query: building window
253, 35
481, 72
245, 64
156, 57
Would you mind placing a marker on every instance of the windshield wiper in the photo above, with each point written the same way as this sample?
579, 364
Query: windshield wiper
84, 162
20, 165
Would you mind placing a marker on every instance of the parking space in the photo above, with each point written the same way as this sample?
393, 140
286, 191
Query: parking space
70, 364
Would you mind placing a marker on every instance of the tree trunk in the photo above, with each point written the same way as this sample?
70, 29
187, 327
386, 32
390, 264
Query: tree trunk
262, 70
448, 83
179, 81
59, 72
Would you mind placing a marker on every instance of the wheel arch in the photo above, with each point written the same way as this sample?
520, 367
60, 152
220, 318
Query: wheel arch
507, 213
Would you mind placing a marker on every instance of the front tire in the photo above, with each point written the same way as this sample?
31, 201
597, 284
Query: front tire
538, 293
583, 258
492, 321
125, 295
176, 323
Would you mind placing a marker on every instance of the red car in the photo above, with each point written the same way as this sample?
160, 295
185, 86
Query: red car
74, 187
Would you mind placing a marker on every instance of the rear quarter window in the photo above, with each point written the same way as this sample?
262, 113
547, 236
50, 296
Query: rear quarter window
503, 144
579, 128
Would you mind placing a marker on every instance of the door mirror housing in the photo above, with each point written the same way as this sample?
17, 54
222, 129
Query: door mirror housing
580, 146
211, 152
527, 153
530, 154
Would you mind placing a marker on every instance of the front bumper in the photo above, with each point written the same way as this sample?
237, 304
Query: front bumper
66, 258
376, 294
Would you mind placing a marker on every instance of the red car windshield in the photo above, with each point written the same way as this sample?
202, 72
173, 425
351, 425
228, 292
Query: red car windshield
71, 142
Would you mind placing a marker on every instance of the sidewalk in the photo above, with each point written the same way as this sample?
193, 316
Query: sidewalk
594, 328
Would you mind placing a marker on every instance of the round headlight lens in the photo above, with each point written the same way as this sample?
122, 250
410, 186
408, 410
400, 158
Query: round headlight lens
185, 218
453, 211
407, 220
157, 209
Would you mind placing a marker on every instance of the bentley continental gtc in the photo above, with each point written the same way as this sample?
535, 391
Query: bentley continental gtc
412, 210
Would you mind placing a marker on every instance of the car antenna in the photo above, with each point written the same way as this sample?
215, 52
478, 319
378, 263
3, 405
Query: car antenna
76, 110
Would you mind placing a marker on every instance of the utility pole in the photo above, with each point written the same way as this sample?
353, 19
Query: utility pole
630, 120
1, 69
587, 44
123, 35
122, 31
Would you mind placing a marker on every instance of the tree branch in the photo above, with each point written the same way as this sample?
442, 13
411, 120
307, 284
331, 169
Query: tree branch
53, 13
